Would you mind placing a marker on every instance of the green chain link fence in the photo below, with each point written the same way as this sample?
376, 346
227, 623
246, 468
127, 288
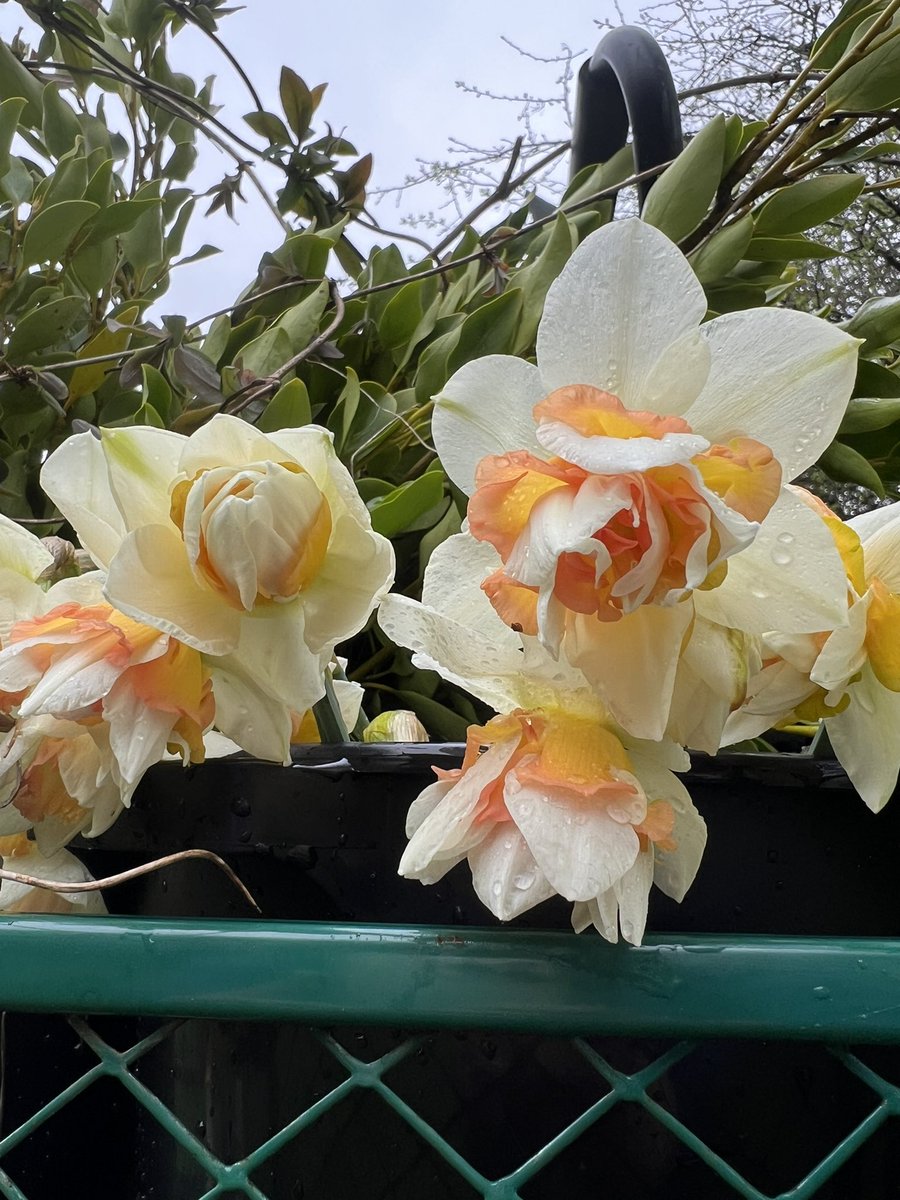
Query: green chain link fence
553, 1067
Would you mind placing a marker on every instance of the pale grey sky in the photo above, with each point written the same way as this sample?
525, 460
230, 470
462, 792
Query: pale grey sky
392, 71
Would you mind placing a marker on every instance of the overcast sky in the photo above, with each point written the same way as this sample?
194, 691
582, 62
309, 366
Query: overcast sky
392, 71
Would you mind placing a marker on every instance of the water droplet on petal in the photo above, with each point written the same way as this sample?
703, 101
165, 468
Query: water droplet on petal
780, 557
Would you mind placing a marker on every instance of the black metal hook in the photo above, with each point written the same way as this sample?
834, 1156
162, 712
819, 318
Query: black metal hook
626, 83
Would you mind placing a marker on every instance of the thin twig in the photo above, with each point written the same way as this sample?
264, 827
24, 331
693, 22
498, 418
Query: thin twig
94, 885
187, 14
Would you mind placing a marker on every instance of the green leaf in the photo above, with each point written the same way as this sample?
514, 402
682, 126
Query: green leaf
870, 84
59, 124
535, 279
491, 329
10, 112
835, 38
298, 101
847, 465
399, 509
807, 203
108, 341
724, 250
94, 267
52, 231
343, 414
288, 408
269, 126
865, 413
402, 313
786, 249
17, 81
872, 379
681, 196
877, 322
433, 371
155, 391
142, 244
116, 219
45, 326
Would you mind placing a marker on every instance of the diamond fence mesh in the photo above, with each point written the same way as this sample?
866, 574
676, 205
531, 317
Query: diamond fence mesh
280, 1061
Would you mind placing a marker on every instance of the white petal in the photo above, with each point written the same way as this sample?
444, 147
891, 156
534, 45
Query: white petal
625, 294
142, 462
678, 375
632, 662
867, 523
790, 578
632, 892
21, 551
674, 870
505, 876
779, 376
151, 580
486, 408
356, 573
61, 867
247, 714
452, 586
881, 549
76, 478
865, 739
449, 831
578, 846
138, 735
225, 441
845, 651
272, 649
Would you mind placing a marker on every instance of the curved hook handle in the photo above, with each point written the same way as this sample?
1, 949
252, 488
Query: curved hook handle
626, 83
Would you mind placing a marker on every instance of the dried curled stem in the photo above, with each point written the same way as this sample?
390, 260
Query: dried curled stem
94, 885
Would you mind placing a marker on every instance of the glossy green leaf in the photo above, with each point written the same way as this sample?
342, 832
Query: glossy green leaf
847, 465
808, 203
117, 219
835, 38
269, 126
865, 413
155, 391
787, 249
395, 512
59, 124
534, 280
17, 81
10, 112
877, 322
724, 250
870, 84
491, 329
45, 326
52, 231
288, 409
872, 379
88, 378
681, 196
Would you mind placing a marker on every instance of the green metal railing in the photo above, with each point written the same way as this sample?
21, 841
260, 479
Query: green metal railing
674, 997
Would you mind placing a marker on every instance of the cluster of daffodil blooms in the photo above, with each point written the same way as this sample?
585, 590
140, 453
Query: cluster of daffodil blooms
636, 577
230, 564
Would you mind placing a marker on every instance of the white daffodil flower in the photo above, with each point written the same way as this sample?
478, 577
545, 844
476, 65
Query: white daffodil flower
255, 550
642, 458
850, 676
552, 797
25, 858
